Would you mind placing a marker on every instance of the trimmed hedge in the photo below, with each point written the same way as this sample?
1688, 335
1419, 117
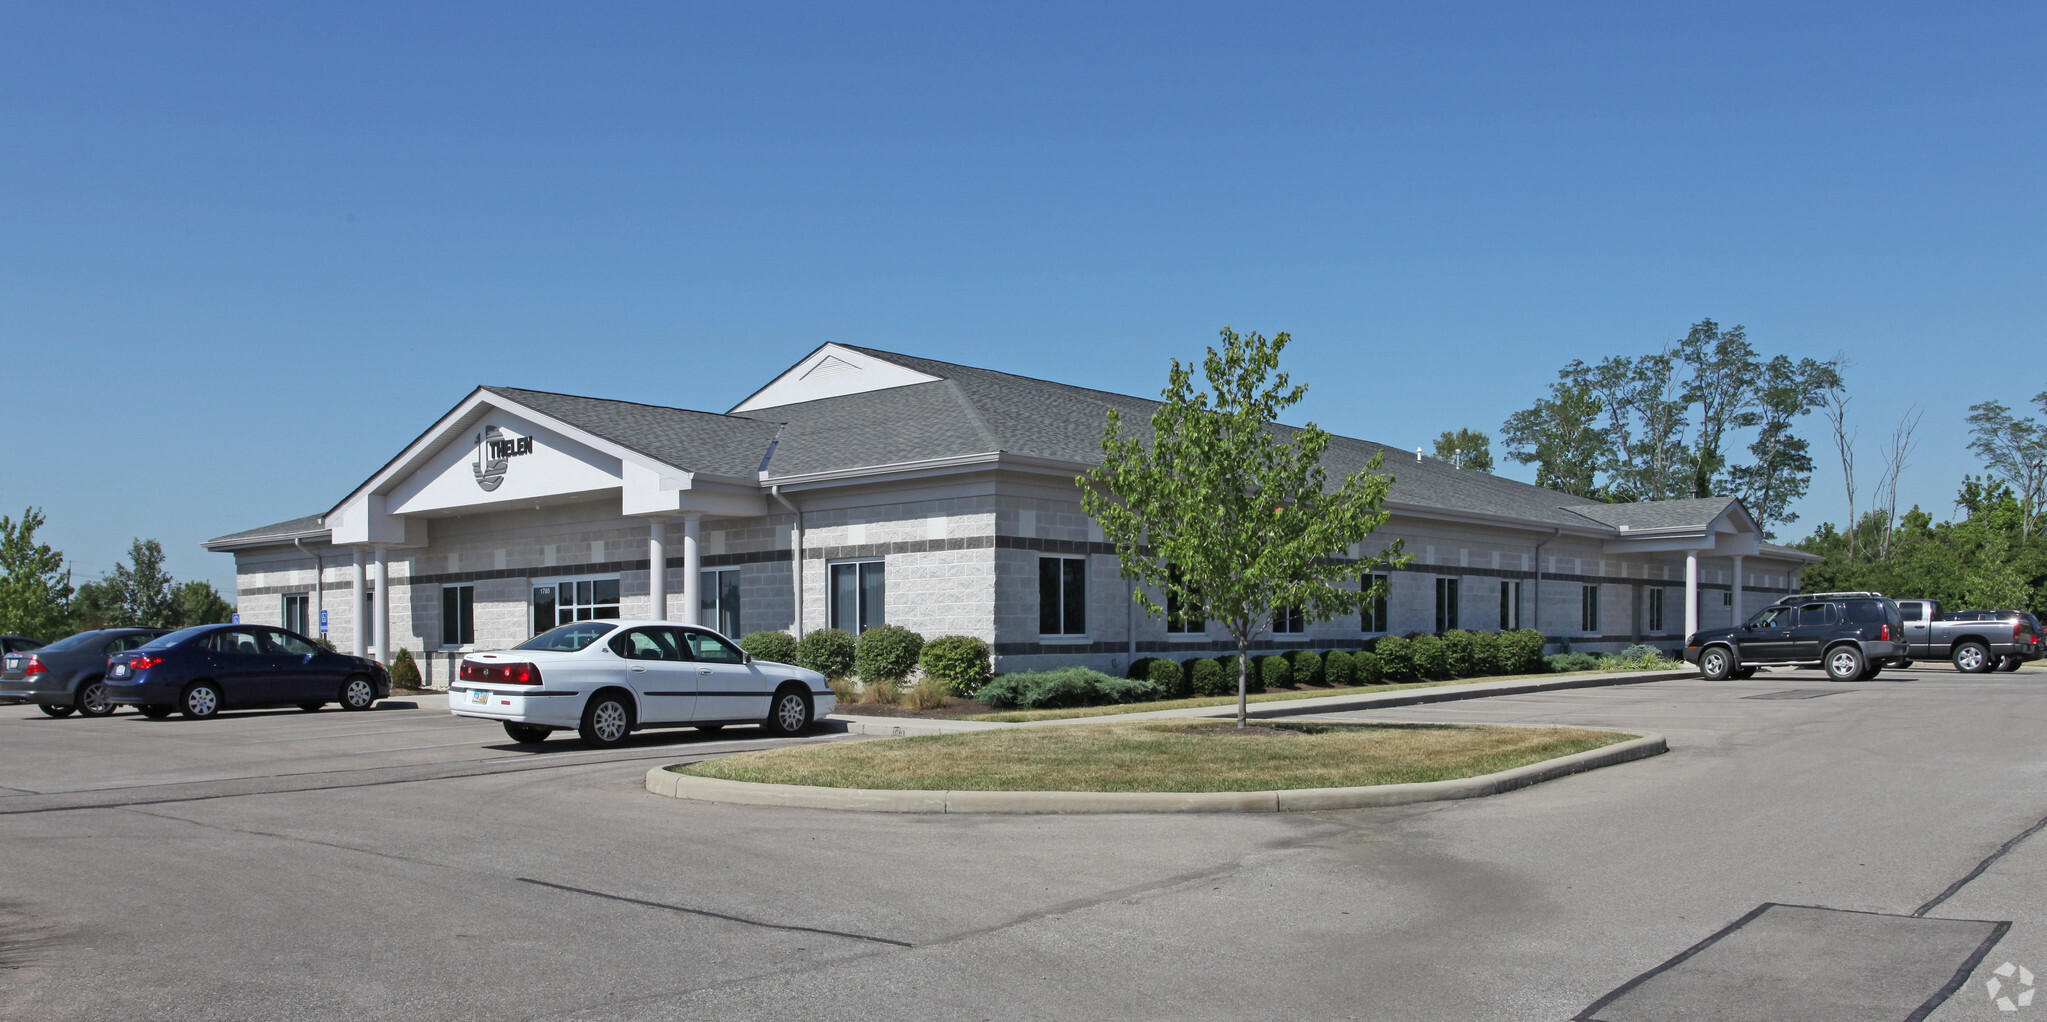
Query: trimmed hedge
828, 651
1072, 686
1308, 668
1460, 654
1368, 668
1166, 674
1208, 678
1338, 669
887, 653
1572, 663
777, 647
1431, 656
1139, 668
404, 670
960, 661
1273, 672
1396, 656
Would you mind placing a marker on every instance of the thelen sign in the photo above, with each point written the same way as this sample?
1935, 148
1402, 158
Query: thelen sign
495, 450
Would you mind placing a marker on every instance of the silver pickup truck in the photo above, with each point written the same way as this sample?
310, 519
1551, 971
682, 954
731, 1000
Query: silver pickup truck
1975, 641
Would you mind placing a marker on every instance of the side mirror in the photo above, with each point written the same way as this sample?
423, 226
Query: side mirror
748, 656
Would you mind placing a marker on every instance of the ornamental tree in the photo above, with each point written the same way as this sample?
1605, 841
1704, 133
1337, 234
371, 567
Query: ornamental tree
1222, 509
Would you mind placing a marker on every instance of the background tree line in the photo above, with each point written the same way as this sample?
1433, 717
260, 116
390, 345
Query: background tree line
37, 598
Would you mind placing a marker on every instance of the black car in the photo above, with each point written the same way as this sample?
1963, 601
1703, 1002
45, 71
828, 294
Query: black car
18, 644
1851, 635
200, 671
65, 676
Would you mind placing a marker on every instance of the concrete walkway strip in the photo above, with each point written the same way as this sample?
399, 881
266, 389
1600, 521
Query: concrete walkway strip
664, 781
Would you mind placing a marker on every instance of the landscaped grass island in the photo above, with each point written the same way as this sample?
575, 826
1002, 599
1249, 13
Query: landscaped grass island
1162, 756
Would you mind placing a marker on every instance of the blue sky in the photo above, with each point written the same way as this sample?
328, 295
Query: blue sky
247, 252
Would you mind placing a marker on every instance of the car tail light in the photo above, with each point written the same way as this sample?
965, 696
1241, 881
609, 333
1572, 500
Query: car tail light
503, 674
34, 665
143, 663
1884, 635
2016, 628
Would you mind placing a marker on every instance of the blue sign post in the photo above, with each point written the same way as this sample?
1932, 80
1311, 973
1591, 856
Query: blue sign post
323, 622
235, 619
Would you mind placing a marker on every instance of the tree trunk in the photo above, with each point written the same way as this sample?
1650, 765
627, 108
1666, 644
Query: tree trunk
1243, 679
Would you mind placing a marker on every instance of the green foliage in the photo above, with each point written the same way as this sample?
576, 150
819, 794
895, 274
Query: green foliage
1274, 672
1486, 654
404, 670
35, 589
1171, 681
887, 653
2014, 449
1369, 669
1396, 657
1072, 686
1560, 436
775, 647
1227, 513
1338, 670
1210, 679
1521, 652
1572, 663
196, 603
1638, 657
828, 651
1460, 654
1982, 562
1431, 656
1140, 667
1308, 668
961, 661
137, 592
1466, 448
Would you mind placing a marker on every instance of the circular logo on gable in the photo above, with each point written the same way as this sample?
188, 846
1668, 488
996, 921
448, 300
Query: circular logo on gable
495, 450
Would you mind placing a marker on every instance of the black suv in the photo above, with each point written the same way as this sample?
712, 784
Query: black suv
1851, 635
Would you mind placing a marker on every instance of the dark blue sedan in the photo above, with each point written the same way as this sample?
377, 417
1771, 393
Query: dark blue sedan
200, 671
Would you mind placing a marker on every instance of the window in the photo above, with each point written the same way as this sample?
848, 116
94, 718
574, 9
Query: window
1655, 610
295, 612
1772, 617
1588, 609
234, 642
648, 644
584, 599
1289, 621
1815, 614
1913, 611
1062, 595
1727, 597
287, 644
1183, 617
1372, 617
1866, 612
859, 591
1510, 605
1446, 604
458, 616
718, 602
711, 649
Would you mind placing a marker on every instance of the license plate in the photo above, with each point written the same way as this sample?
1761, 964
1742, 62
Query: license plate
119, 671
478, 696
13, 663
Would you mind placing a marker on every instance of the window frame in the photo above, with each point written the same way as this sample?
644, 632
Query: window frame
711, 599
1510, 604
860, 593
1656, 610
1588, 608
1448, 597
1377, 610
1070, 605
533, 585
1289, 621
1183, 621
304, 602
464, 614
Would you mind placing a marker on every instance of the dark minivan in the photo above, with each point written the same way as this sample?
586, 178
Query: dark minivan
200, 671
64, 677
1851, 635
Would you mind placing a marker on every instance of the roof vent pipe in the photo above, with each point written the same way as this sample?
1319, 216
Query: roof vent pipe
1417, 455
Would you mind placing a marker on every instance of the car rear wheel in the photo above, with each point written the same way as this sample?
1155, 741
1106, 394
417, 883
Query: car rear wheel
1972, 658
200, 701
527, 734
2009, 664
155, 711
1845, 663
54, 710
357, 693
790, 712
1716, 663
92, 699
607, 720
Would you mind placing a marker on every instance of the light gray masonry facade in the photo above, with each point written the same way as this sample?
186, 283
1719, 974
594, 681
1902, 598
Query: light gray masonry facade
960, 542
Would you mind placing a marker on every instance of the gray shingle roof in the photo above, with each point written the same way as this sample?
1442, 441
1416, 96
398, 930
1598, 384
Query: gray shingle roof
281, 531
1661, 514
726, 445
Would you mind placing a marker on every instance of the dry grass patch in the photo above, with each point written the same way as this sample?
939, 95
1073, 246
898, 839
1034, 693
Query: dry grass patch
1174, 755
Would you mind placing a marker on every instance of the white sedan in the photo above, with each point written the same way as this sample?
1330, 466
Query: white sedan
607, 679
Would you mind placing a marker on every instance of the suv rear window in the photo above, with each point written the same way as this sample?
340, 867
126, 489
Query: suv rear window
1867, 612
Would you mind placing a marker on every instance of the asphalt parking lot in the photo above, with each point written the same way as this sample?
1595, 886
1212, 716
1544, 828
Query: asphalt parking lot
404, 864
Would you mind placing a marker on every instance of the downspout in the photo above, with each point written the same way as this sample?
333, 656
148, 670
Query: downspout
319, 586
1537, 616
795, 552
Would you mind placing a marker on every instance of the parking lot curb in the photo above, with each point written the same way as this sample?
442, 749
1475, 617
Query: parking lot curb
662, 780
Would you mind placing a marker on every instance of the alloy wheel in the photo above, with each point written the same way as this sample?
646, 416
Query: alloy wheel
92, 700
789, 712
202, 702
609, 721
358, 693
1844, 664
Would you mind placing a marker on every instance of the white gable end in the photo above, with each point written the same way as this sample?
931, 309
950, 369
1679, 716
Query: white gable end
503, 458
832, 371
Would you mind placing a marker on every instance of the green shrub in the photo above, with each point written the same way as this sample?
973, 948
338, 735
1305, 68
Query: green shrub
1460, 653
1308, 668
778, 647
1337, 669
1571, 663
960, 661
1368, 668
1208, 677
828, 651
1071, 686
1487, 655
404, 670
1127, 690
1274, 672
887, 653
1431, 656
1638, 657
1521, 652
1396, 657
1171, 681
1140, 667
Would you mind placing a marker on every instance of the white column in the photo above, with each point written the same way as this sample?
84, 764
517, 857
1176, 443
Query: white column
380, 614
692, 571
355, 613
657, 570
1691, 593
1738, 619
